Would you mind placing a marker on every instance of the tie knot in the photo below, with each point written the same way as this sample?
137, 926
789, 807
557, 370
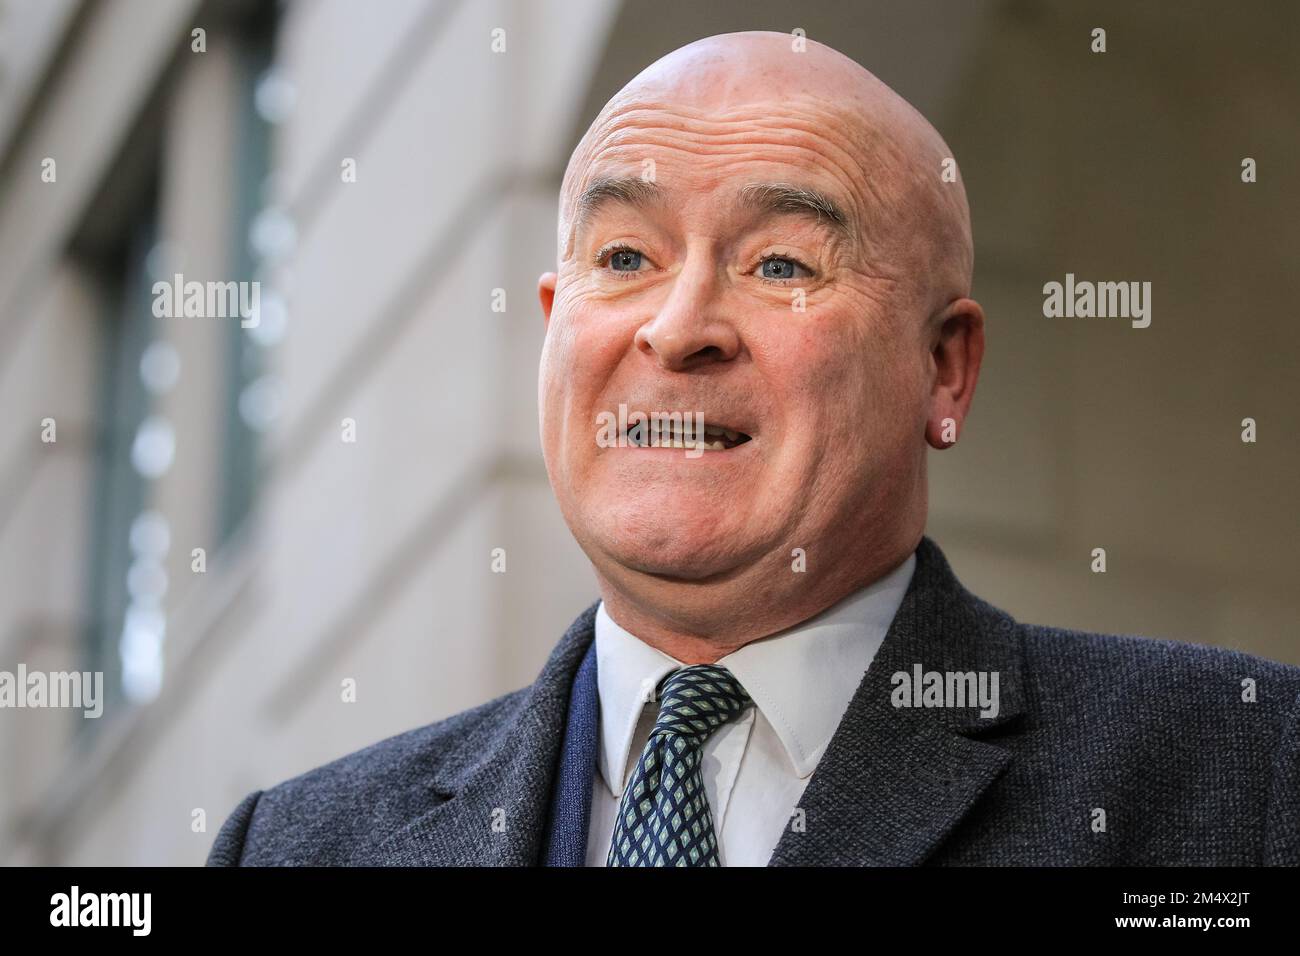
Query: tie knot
697, 700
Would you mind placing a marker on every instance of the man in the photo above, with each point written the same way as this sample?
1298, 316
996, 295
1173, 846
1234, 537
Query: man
783, 669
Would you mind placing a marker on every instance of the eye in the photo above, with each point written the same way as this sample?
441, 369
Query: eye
782, 268
625, 260
622, 259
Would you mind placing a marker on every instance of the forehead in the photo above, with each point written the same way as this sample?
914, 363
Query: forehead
723, 157
808, 136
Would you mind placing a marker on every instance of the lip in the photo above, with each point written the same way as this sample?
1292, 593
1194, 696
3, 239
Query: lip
740, 421
733, 433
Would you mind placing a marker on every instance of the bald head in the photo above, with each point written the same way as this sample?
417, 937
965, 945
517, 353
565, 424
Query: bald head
885, 157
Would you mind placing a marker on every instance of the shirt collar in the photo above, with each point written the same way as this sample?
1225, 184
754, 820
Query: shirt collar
801, 679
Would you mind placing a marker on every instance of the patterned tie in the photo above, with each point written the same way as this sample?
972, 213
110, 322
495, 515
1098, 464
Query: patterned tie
664, 817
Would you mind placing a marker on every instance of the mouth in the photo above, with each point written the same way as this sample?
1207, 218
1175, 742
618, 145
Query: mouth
677, 434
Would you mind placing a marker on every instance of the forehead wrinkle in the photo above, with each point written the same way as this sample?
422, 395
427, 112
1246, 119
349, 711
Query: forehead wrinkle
673, 128
857, 162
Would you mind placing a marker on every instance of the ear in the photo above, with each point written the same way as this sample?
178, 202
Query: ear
546, 294
956, 352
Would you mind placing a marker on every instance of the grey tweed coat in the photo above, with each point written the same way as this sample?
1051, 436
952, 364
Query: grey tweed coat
1104, 751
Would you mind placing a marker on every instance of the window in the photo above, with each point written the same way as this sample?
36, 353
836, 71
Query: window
136, 442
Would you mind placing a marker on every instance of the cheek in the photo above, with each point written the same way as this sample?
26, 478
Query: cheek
584, 345
574, 350
860, 381
823, 371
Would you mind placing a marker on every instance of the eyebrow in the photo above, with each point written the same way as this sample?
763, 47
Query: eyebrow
789, 199
773, 198
630, 191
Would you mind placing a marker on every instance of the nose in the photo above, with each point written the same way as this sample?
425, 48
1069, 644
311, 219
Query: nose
690, 330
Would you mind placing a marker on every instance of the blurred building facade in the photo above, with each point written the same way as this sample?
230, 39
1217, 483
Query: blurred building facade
245, 528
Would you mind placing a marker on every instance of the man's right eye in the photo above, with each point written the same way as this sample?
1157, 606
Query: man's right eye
622, 260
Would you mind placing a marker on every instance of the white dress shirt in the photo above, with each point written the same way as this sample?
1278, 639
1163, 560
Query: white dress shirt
755, 768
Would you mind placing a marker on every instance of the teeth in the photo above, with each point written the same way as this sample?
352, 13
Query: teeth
717, 431
674, 439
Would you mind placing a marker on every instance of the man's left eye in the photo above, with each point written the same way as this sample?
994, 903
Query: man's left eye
625, 260
779, 267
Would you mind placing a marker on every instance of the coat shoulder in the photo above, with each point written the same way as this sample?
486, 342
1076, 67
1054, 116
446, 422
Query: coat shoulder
1129, 657
1192, 752
1152, 682
325, 815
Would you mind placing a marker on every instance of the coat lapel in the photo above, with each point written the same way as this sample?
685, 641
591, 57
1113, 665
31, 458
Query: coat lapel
894, 782
492, 795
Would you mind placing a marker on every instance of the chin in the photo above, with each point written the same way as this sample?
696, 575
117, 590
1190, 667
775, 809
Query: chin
691, 553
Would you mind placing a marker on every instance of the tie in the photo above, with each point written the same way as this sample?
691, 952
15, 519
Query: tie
664, 817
